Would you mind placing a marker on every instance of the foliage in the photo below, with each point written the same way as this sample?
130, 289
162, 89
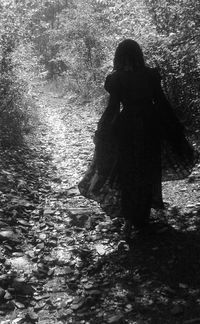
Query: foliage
177, 24
74, 41
83, 35
17, 69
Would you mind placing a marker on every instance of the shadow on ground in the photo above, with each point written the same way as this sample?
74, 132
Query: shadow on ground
155, 280
152, 279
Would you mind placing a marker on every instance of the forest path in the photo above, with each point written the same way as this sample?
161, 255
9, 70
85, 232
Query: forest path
64, 260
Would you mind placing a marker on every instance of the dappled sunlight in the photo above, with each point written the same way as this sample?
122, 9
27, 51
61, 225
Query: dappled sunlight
67, 257
63, 258
68, 136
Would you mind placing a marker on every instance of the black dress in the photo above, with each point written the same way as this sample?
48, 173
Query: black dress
139, 143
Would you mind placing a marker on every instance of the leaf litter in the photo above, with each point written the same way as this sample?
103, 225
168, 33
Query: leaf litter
63, 260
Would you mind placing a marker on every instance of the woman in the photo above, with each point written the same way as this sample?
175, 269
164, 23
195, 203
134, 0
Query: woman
126, 168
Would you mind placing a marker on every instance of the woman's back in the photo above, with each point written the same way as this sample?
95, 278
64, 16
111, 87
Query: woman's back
133, 87
126, 170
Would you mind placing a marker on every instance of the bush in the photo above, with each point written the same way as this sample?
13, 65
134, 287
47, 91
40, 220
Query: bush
14, 100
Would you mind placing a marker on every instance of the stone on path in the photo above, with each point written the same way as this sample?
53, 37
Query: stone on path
21, 263
21, 287
177, 310
2, 293
116, 319
9, 235
80, 216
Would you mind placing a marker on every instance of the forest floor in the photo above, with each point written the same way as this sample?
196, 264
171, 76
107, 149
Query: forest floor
63, 260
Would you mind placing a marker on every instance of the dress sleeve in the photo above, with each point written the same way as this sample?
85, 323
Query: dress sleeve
111, 83
113, 107
166, 110
171, 128
112, 86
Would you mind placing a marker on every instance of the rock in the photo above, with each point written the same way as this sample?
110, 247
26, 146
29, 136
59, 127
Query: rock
57, 179
183, 286
43, 267
3, 225
39, 297
128, 308
49, 261
23, 222
88, 286
18, 320
64, 314
94, 293
42, 271
191, 179
69, 270
190, 206
177, 310
42, 236
169, 290
2, 293
19, 305
48, 210
193, 321
17, 254
30, 254
52, 242
122, 247
2, 258
4, 280
40, 305
78, 304
71, 192
79, 216
101, 250
11, 290
26, 204
8, 306
75, 307
117, 319
21, 263
10, 236
183, 189
131, 296
8, 296
51, 272
3, 313
8, 248
32, 317
40, 246
20, 286
7, 264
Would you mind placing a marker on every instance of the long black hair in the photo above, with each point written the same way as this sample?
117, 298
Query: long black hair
128, 55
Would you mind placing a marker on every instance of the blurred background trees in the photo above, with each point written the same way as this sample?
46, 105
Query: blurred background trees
74, 41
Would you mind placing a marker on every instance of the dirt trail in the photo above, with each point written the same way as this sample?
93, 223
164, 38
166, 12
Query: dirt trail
69, 262
66, 135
